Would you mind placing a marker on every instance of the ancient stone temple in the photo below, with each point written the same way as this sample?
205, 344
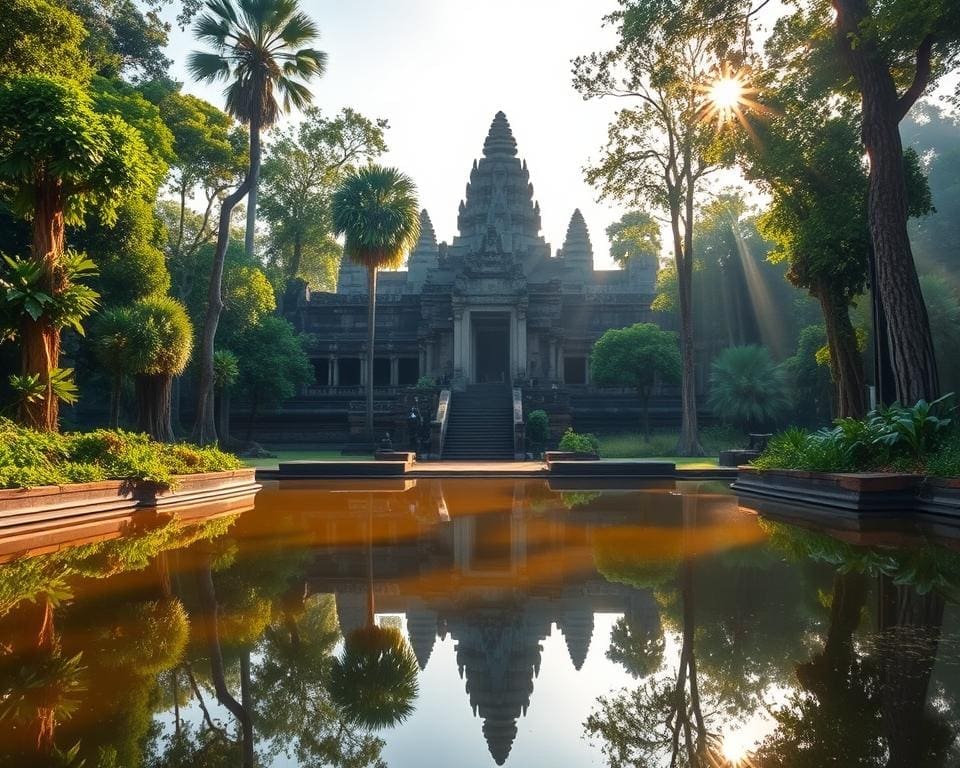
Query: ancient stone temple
497, 304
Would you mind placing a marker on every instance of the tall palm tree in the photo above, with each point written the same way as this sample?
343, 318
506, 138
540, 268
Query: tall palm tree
259, 52
377, 211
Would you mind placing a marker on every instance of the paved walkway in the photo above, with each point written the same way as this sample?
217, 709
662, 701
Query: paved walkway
477, 468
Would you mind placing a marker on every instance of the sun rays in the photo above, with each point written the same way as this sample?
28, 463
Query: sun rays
727, 96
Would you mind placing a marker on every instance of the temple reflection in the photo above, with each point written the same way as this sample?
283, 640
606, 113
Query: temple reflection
495, 565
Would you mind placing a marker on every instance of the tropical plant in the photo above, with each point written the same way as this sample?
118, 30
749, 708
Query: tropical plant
538, 429
113, 335
377, 212
579, 443
226, 371
636, 357
259, 50
747, 388
60, 161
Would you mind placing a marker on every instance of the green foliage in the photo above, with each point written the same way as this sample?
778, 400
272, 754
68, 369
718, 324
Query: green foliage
376, 210
272, 362
809, 381
124, 38
635, 236
226, 369
300, 173
265, 36
30, 458
538, 427
636, 357
747, 388
426, 382
24, 293
50, 123
943, 309
29, 388
41, 38
922, 439
130, 263
247, 298
160, 340
579, 443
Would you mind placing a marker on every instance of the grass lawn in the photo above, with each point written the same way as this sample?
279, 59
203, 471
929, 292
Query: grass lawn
301, 456
661, 445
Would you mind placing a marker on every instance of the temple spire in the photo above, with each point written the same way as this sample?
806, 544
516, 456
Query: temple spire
577, 249
425, 256
500, 139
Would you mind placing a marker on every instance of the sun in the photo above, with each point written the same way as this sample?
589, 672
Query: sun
726, 95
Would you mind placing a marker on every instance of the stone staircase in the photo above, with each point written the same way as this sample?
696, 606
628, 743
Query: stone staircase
480, 424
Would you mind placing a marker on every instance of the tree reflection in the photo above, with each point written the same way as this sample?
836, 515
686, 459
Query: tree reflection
374, 680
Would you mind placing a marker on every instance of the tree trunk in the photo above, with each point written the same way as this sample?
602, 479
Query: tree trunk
153, 406
297, 261
223, 409
175, 404
208, 610
252, 197
371, 332
846, 361
205, 429
910, 625
40, 339
689, 442
910, 340
115, 390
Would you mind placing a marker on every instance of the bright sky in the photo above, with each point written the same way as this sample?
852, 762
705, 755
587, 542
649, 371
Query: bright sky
439, 70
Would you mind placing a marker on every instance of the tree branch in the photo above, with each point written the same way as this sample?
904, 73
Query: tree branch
921, 78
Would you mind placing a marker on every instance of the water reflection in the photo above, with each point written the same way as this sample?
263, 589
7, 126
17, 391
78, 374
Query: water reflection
354, 626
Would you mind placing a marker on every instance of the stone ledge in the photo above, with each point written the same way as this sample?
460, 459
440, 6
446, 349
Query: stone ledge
346, 469
614, 468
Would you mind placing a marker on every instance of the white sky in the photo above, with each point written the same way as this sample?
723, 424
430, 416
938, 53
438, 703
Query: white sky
439, 70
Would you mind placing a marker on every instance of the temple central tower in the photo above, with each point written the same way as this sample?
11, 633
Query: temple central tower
499, 195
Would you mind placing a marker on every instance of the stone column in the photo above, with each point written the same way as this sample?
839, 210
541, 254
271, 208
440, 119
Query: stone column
428, 361
336, 371
422, 360
552, 360
466, 347
394, 371
560, 377
331, 365
514, 346
363, 370
522, 345
457, 343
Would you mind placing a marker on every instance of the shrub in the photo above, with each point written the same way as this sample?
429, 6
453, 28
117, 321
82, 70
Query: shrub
538, 427
575, 442
922, 438
426, 382
29, 458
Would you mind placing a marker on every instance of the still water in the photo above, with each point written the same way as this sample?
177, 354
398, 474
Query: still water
473, 623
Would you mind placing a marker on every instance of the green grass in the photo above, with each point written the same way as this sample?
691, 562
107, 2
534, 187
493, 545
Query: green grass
661, 446
302, 456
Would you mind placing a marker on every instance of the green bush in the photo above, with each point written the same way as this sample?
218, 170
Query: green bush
29, 458
538, 427
573, 441
923, 438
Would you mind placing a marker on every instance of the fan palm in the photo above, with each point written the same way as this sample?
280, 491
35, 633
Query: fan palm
747, 388
377, 212
260, 51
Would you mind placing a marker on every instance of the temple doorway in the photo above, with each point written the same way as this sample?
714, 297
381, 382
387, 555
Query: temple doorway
491, 343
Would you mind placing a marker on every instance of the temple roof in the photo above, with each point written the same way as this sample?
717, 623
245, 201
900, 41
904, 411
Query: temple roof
500, 139
576, 245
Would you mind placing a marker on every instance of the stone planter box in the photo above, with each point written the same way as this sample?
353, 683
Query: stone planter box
613, 468
737, 456
883, 493
56, 508
570, 456
940, 496
408, 457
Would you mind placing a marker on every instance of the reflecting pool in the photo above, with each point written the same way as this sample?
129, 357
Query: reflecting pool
483, 622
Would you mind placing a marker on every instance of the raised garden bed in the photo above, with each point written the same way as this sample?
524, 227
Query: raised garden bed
570, 456
868, 492
33, 511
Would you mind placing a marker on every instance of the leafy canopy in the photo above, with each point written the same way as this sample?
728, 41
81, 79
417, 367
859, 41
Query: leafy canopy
635, 236
635, 357
38, 37
52, 134
747, 388
376, 210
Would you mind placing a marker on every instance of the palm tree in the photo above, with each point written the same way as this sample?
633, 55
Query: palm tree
747, 388
259, 53
377, 211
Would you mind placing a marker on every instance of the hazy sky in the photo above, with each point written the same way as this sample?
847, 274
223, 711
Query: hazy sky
439, 70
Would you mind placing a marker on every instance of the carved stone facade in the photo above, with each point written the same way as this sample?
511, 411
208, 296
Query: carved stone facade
496, 304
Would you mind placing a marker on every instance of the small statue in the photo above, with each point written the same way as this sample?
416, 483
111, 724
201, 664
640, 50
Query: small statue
386, 444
